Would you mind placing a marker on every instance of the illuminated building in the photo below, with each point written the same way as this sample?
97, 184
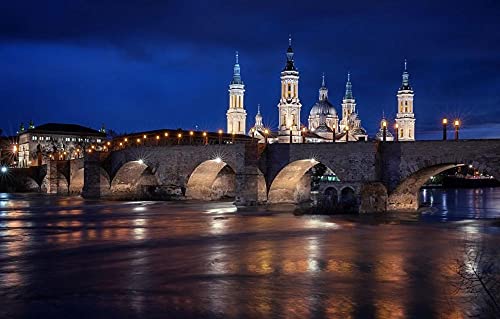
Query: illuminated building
289, 105
236, 114
57, 141
405, 117
323, 119
350, 123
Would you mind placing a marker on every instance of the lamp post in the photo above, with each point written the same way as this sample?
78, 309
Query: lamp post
304, 134
396, 131
205, 138
179, 137
291, 140
445, 124
266, 132
232, 137
456, 123
220, 137
347, 133
334, 137
253, 134
384, 130
191, 133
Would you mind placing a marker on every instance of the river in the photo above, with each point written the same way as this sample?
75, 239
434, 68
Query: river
65, 257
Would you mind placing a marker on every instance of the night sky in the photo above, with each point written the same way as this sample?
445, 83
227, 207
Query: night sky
142, 65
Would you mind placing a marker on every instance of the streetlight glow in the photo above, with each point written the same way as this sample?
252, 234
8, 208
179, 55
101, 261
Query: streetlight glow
218, 160
140, 161
4, 169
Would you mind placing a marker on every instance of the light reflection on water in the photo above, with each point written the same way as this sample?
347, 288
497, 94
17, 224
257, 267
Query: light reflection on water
459, 204
206, 260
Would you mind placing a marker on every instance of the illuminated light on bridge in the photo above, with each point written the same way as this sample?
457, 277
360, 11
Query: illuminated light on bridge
140, 161
4, 169
218, 160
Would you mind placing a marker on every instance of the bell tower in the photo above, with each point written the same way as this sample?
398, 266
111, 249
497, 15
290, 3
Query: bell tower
405, 118
289, 105
236, 114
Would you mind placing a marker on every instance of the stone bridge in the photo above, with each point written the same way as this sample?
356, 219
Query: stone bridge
382, 176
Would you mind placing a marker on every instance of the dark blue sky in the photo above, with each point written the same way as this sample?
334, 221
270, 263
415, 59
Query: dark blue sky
140, 65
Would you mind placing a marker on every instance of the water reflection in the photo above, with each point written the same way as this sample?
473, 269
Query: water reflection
458, 204
205, 260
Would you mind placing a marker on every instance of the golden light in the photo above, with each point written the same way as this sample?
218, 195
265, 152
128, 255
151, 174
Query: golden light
266, 131
304, 129
166, 134
179, 135
445, 121
252, 130
90, 151
384, 124
126, 140
138, 140
15, 148
93, 146
191, 133
347, 128
204, 134
396, 125
144, 136
121, 144
157, 137
78, 150
65, 153
456, 123
220, 131
109, 143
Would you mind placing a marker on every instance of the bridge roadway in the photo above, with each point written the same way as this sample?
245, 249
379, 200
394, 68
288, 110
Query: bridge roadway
381, 176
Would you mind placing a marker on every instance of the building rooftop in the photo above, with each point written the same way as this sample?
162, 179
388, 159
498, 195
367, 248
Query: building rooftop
64, 129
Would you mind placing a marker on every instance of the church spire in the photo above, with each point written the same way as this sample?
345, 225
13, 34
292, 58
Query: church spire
258, 118
406, 82
348, 88
289, 56
323, 90
237, 71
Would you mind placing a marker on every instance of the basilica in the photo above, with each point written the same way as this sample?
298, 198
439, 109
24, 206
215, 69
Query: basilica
325, 124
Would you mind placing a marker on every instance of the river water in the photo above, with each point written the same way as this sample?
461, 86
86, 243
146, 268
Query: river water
64, 257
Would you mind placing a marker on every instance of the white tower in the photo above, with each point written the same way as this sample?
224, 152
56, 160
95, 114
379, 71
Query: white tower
405, 117
236, 114
289, 105
348, 105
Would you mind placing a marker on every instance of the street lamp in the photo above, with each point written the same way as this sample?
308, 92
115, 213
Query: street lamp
205, 138
253, 133
445, 124
266, 132
456, 123
347, 133
304, 134
4, 169
191, 133
396, 131
220, 137
179, 137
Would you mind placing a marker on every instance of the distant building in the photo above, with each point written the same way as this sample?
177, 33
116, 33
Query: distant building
405, 118
236, 114
56, 141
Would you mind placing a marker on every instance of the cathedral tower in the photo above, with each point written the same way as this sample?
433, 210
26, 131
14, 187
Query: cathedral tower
236, 114
405, 117
348, 105
289, 105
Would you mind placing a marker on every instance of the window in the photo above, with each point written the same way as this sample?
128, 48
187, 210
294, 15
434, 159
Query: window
239, 126
34, 138
289, 90
73, 139
401, 133
98, 140
41, 138
47, 138
406, 103
409, 133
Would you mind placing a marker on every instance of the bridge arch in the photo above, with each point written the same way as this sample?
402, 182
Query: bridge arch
211, 180
406, 194
132, 177
292, 185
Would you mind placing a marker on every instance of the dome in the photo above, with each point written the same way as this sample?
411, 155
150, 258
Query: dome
323, 108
